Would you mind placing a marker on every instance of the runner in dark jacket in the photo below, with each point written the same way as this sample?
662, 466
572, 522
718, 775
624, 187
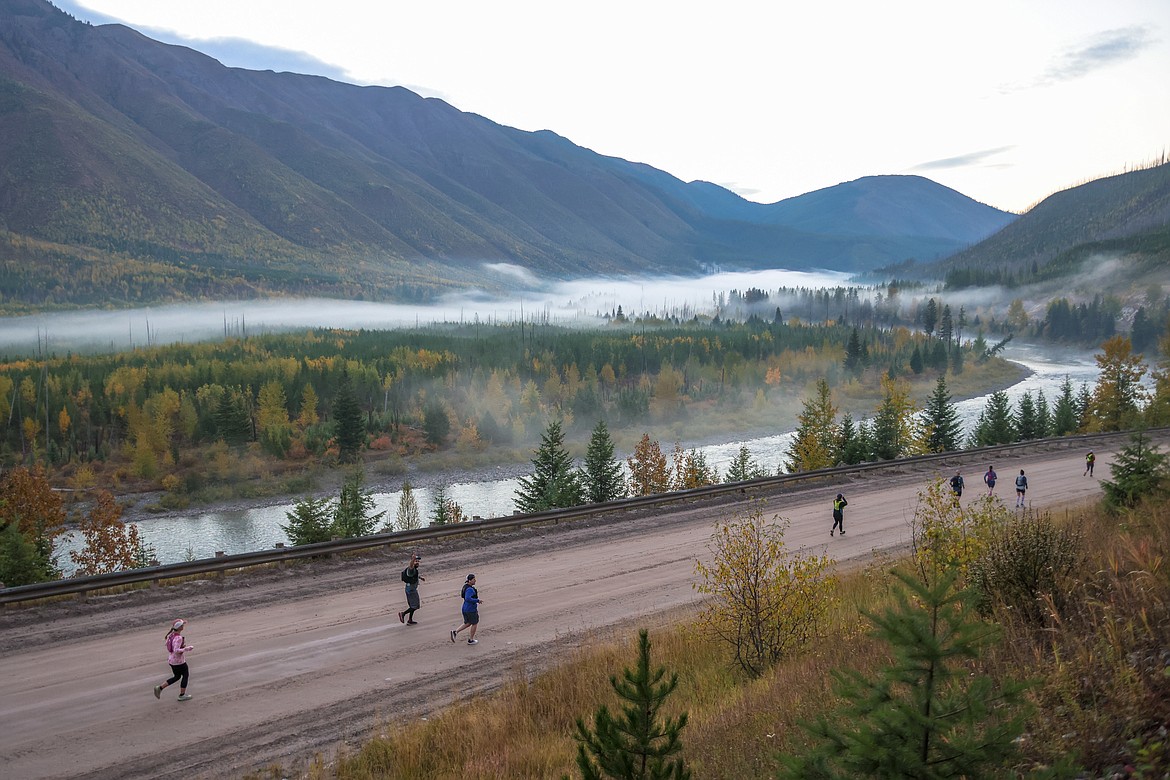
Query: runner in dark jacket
839, 504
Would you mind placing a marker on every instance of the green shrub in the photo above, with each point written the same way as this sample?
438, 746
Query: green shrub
1024, 565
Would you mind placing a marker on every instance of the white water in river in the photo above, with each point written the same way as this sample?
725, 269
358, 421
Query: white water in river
201, 534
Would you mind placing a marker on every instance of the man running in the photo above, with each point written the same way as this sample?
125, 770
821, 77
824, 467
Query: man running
411, 577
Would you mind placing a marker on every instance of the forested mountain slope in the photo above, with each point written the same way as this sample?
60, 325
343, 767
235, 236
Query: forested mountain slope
137, 171
1124, 217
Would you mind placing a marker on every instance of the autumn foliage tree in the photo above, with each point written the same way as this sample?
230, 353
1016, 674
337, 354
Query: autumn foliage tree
32, 516
1119, 394
649, 473
765, 600
691, 469
110, 544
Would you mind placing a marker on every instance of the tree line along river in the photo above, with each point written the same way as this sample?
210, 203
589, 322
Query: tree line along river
200, 534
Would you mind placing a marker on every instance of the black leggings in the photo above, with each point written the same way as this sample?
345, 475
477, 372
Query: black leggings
180, 670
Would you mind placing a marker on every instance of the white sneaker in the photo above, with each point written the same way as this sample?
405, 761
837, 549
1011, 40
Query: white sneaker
473, 641
184, 697
453, 633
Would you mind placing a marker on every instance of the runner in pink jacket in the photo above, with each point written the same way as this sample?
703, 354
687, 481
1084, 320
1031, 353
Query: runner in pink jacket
177, 649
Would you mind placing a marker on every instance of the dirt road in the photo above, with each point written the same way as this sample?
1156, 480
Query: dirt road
289, 662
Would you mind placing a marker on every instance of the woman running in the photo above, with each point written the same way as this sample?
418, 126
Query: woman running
177, 648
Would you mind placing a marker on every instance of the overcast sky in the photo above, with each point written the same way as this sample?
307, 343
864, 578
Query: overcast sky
1006, 101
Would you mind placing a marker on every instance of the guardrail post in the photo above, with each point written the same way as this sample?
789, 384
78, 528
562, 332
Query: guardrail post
220, 554
82, 595
280, 564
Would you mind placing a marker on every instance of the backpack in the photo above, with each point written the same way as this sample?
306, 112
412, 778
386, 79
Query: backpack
404, 577
1021, 481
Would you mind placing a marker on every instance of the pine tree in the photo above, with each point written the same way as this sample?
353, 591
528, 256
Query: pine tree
436, 424
926, 715
743, 467
636, 745
1026, 423
940, 420
1084, 407
939, 356
995, 424
946, 327
853, 362
20, 562
441, 506
814, 446
957, 359
408, 517
354, 515
1064, 416
232, 420
349, 426
602, 477
554, 483
1139, 471
916, 360
929, 316
1043, 416
852, 442
309, 522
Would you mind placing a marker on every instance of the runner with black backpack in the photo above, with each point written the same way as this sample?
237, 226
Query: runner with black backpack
411, 577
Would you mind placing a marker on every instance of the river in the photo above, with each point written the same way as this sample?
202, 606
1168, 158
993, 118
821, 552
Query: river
176, 538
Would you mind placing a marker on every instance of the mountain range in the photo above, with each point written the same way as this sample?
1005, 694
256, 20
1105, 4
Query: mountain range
135, 171
1125, 216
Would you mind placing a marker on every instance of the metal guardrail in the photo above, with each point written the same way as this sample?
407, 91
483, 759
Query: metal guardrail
81, 586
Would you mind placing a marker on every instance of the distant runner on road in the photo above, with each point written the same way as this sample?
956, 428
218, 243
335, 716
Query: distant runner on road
957, 485
989, 479
471, 602
1090, 459
411, 577
1021, 486
839, 504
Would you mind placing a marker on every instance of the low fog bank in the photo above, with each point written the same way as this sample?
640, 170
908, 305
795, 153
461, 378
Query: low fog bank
1101, 274
581, 302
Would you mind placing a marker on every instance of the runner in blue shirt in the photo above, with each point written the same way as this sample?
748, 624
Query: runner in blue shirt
471, 602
